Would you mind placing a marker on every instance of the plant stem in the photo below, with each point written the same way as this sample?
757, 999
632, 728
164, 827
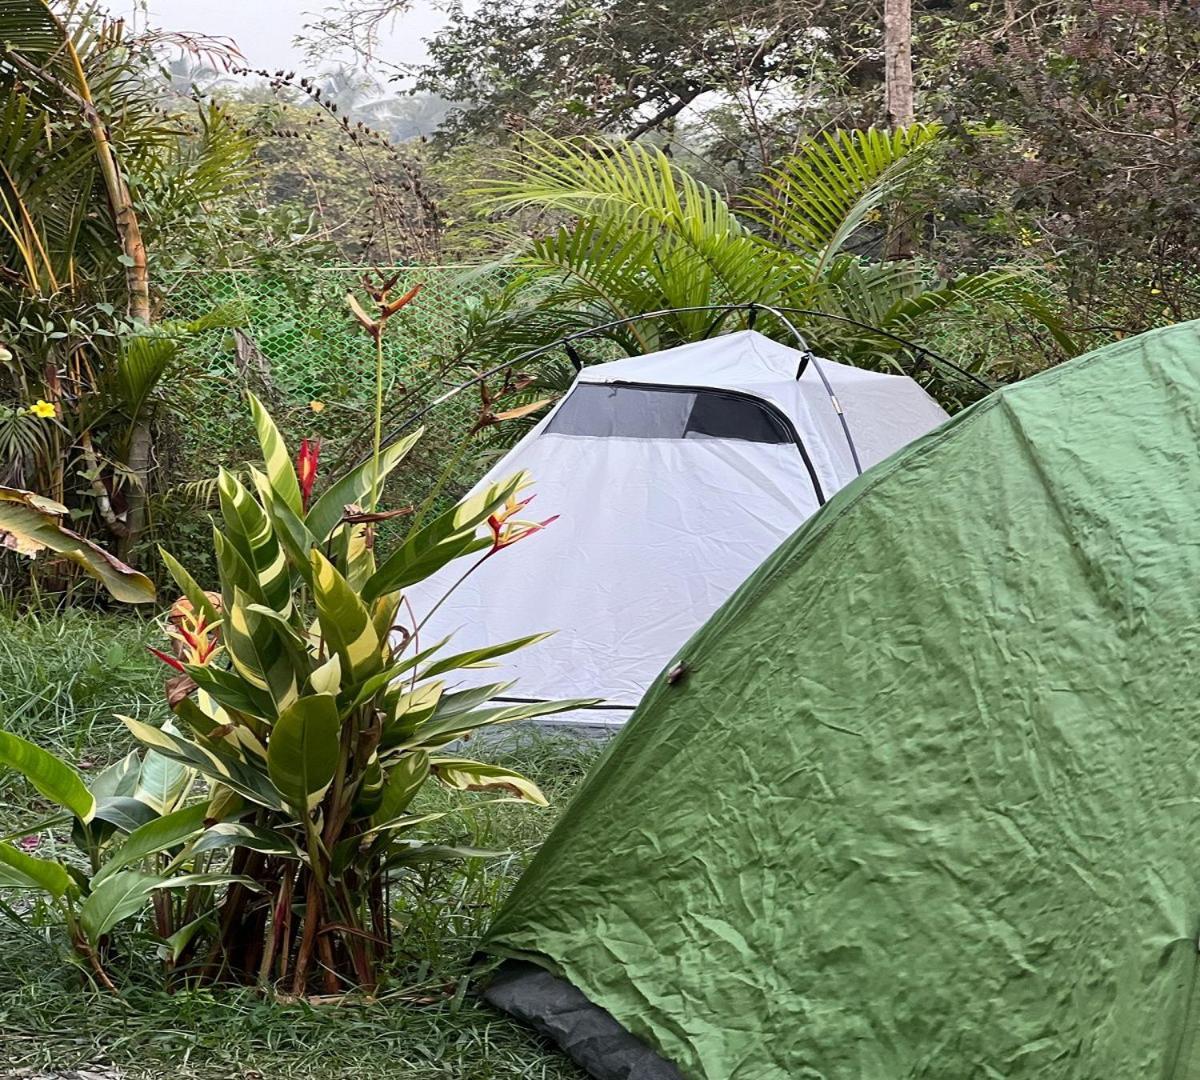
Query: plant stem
376, 494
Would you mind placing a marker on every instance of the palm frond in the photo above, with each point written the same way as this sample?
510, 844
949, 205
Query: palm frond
820, 197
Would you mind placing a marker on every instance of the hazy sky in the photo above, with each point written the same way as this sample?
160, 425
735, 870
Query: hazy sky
264, 29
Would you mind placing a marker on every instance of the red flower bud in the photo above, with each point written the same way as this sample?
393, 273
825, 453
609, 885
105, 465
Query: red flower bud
306, 467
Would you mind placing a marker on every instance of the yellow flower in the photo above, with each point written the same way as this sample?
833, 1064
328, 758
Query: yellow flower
317, 406
43, 409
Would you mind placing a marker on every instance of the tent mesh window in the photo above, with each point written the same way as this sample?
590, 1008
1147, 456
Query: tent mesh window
660, 412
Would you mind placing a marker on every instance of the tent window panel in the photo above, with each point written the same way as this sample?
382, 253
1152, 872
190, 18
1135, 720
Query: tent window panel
636, 412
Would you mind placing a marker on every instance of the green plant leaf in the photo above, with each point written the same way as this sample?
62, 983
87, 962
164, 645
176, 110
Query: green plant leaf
404, 780
173, 948
479, 657
56, 781
464, 775
116, 898
345, 623
21, 871
302, 753
276, 459
440, 730
246, 779
124, 811
249, 529
120, 778
448, 537
155, 836
259, 655
162, 782
255, 837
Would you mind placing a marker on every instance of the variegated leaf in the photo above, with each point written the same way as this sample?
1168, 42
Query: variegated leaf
249, 529
276, 458
345, 623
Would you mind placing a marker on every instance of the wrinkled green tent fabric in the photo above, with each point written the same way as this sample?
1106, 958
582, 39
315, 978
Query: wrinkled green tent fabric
927, 801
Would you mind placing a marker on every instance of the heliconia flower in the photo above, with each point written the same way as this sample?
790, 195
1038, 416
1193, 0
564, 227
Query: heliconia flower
194, 639
43, 409
507, 530
306, 467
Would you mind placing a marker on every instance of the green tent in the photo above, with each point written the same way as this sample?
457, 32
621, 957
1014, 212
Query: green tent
923, 798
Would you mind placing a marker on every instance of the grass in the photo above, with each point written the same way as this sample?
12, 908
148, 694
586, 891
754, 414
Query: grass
62, 677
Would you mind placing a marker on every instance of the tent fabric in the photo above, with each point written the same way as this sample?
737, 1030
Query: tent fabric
654, 533
922, 798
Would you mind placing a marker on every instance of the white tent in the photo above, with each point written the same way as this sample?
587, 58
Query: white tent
673, 476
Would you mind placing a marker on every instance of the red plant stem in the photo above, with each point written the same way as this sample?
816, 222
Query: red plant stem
308, 937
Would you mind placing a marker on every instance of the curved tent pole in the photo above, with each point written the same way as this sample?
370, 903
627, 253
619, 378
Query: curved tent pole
724, 310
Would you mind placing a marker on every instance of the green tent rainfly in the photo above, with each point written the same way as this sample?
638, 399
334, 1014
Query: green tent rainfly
923, 798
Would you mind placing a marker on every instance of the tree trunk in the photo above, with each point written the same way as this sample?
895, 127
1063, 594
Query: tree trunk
898, 86
897, 60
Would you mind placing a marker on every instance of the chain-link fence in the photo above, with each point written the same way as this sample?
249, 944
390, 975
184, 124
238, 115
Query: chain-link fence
299, 348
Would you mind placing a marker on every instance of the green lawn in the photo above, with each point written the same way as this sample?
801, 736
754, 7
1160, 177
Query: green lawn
61, 680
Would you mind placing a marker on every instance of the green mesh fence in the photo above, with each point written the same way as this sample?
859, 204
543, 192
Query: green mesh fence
300, 349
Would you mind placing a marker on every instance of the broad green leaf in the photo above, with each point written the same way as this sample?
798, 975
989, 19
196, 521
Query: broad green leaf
235, 573
155, 836
188, 586
258, 654
124, 812
276, 459
464, 775
447, 537
345, 623
56, 781
116, 898
163, 782
325, 513
186, 881
120, 778
31, 525
255, 837
414, 852
479, 657
376, 839
302, 753
21, 871
404, 780
232, 691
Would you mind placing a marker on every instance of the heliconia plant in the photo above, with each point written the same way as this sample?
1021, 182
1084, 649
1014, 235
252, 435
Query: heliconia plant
265, 819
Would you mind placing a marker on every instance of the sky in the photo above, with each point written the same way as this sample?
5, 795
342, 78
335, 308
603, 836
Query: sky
264, 29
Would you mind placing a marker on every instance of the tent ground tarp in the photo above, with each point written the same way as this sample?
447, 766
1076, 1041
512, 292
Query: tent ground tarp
926, 802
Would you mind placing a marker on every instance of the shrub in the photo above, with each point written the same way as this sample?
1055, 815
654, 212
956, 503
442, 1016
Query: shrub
264, 820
